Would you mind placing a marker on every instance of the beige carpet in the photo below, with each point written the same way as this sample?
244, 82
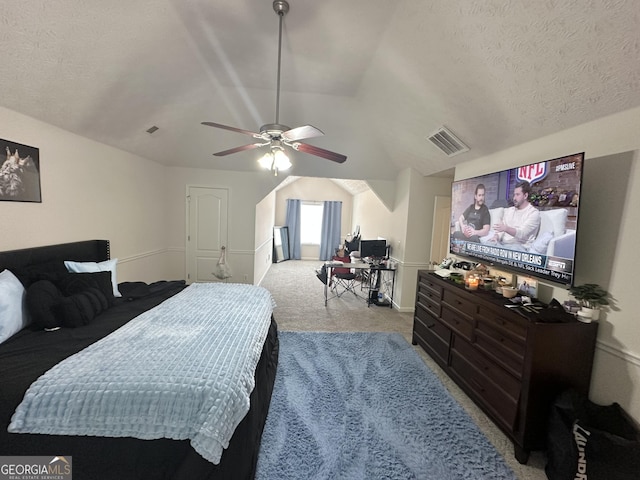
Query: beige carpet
300, 307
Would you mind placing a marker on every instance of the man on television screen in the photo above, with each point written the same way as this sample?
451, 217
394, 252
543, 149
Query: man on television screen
475, 221
520, 223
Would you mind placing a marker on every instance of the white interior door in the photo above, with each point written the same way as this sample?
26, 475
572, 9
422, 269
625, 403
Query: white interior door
207, 210
441, 227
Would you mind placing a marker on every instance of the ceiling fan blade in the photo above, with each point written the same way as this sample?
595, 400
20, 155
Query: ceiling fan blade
306, 131
233, 129
238, 149
319, 152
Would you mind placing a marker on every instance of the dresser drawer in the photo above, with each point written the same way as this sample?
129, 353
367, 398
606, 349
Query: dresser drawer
488, 368
429, 284
460, 303
505, 338
428, 300
501, 406
425, 312
458, 322
502, 350
433, 336
508, 322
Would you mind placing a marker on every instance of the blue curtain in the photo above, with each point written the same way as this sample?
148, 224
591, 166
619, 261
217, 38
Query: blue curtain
331, 224
293, 222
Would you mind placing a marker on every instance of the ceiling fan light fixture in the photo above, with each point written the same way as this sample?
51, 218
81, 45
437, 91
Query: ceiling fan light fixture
266, 161
281, 160
276, 159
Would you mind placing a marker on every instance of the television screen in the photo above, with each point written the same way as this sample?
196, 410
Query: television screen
524, 218
373, 248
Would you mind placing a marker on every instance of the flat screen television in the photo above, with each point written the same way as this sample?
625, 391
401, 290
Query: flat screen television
524, 219
373, 248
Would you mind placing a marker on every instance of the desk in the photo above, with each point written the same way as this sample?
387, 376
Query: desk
374, 275
377, 283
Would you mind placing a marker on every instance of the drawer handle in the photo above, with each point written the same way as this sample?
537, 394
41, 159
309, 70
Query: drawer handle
431, 326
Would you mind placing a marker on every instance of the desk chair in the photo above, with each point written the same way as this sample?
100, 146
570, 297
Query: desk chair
342, 278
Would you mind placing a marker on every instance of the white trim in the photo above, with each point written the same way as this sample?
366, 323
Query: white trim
139, 256
262, 244
229, 251
264, 275
618, 352
241, 252
404, 309
418, 265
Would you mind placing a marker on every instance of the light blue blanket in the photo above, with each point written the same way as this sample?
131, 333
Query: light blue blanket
183, 370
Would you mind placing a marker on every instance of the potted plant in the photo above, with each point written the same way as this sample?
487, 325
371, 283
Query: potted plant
591, 297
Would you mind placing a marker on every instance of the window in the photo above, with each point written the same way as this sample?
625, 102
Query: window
310, 223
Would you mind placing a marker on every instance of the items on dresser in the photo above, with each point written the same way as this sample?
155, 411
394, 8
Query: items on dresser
511, 362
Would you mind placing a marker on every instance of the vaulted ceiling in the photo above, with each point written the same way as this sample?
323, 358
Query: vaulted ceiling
377, 76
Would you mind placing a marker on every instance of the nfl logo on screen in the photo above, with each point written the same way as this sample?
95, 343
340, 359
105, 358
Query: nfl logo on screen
532, 173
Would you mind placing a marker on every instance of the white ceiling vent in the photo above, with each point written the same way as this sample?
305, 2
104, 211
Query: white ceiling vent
447, 142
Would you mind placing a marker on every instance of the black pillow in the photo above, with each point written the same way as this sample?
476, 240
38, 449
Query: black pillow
134, 290
73, 283
79, 309
40, 298
32, 273
98, 300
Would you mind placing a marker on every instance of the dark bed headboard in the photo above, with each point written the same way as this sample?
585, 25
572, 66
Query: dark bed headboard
83, 251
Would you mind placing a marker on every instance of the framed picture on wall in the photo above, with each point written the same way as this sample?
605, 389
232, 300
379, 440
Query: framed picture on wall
19, 172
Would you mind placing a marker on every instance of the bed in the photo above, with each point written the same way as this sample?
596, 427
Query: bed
31, 352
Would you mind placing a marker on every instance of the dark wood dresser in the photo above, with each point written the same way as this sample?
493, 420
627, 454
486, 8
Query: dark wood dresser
512, 365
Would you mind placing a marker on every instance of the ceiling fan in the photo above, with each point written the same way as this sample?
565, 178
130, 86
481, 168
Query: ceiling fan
276, 135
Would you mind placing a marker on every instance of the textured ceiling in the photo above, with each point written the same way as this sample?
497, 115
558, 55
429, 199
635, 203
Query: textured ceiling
376, 76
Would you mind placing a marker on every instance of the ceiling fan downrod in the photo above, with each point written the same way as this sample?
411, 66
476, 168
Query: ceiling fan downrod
281, 7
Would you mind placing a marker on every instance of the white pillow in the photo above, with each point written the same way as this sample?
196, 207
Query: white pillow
541, 243
496, 215
92, 267
13, 312
554, 221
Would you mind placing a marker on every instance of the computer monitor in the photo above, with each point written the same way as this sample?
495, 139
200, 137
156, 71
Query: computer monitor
373, 248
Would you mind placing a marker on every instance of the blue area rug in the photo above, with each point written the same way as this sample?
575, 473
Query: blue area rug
365, 406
